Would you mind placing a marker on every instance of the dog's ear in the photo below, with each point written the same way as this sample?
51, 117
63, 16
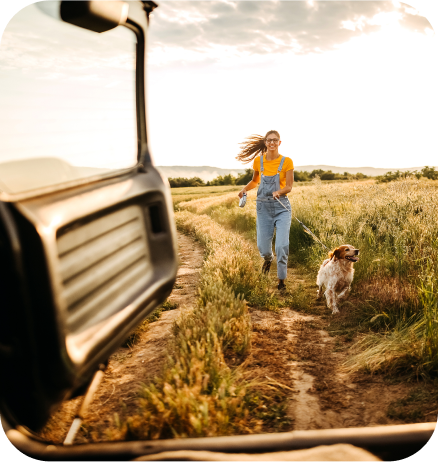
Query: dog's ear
336, 254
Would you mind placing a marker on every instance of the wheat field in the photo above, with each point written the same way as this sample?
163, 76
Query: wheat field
396, 280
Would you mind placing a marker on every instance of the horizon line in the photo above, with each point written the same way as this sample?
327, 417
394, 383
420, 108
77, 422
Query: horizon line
297, 166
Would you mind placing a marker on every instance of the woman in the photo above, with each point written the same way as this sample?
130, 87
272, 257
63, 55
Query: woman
275, 173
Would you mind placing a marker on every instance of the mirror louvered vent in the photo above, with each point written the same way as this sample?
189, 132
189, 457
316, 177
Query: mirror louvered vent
103, 265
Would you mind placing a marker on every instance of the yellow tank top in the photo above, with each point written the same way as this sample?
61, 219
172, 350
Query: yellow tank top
271, 167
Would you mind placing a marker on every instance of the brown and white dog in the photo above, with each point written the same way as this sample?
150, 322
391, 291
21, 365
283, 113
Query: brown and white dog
336, 274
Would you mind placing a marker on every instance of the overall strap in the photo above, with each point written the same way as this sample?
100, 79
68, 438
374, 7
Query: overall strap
281, 164
261, 163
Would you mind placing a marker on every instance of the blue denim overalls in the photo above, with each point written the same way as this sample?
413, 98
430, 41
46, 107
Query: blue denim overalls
270, 215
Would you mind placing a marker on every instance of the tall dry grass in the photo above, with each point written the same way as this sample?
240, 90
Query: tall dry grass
232, 259
393, 224
198, 394
202, 390
411, 346
225, 211
395, 227
192, 193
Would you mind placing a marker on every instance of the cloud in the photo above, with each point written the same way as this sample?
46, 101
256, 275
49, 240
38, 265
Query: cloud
413, 21
270, 27
36, 44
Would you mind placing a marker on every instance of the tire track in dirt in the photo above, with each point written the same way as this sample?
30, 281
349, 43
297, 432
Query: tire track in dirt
128, 368
338, 399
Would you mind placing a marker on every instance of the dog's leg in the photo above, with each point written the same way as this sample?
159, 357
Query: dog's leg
319, 292
320, 283
330, 295
344, 293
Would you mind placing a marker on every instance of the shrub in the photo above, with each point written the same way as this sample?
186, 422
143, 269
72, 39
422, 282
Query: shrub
222, 180
328, 175
186, 182
430, 173
427, 172
198, 394
245, 178
301, 176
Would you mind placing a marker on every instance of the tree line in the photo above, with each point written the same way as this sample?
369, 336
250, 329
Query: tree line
245, 178
327, 175
241, 179
426, 172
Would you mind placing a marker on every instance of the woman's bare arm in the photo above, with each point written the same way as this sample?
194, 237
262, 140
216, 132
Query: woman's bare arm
289, 183
252, 184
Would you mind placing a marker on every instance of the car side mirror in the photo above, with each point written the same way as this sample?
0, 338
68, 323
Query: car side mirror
95, 15
86, 253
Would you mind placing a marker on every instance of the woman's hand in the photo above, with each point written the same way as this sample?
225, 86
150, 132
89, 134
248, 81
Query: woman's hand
288, 188
251, 185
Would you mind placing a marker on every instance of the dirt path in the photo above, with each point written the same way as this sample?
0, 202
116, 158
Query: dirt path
128, 368
296, 350
328, 397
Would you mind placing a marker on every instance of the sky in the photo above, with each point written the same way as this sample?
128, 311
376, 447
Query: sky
67, 92
345, 83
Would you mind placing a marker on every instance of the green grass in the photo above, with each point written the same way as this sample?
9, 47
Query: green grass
188, 194
300, 300
232, 259
205, 190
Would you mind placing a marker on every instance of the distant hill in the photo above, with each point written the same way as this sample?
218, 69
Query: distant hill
209, 173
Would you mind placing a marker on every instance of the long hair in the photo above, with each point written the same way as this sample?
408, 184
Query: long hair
253, 146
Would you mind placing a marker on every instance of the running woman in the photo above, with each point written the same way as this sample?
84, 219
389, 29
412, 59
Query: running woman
275, 173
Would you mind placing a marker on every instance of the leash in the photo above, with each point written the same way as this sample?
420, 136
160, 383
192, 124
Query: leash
305, 228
